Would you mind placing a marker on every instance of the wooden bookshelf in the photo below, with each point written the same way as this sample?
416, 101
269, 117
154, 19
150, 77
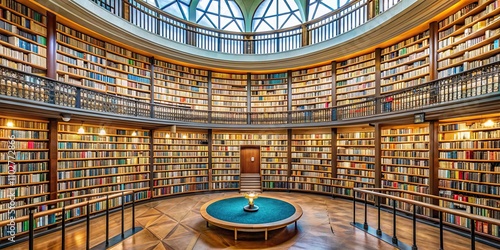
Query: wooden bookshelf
81, 60
180, 86
132, 71
273, 159
311, 160
311, 89
405, 162
86, 61
23, 38
355, 160
405, 64
180, 162
229, 94
24, 165
226, 157
96, 159
269, 94
355, 79
469, 38
469, 169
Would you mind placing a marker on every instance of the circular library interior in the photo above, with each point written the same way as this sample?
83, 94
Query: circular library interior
256, 124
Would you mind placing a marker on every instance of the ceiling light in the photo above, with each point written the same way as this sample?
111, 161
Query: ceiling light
488, 123
66, 117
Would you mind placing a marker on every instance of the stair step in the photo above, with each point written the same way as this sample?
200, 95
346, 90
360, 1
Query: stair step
250, 178
250, 184
250, 190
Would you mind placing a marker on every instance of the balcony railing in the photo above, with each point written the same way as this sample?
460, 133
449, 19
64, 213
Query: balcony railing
340, 21
463, 86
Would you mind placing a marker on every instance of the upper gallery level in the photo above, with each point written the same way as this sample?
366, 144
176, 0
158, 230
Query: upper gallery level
238, 42
52, 63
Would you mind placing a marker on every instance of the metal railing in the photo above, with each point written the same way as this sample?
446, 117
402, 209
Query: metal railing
463, 86
339, 21
41, 217
440, 210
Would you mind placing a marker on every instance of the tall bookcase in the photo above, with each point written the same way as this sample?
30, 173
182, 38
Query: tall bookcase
229, 94
469, 170
180, 162
405, 64
355, 79
311, 160
355, 160
90, 62
23, 38
180, 86
269, 94
226, 158
273, 159
24, 168
469, 38
81, 60
311, 89
405, 162
132, 71
95, 159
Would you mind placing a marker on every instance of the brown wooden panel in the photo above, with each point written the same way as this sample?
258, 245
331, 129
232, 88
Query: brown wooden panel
250, 160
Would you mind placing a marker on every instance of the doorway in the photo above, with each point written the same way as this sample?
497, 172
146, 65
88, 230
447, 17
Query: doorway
250, 159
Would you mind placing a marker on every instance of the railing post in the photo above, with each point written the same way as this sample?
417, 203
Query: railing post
107, 219
123, 215
78, 98
31, 230
305, 36
414, 247
472, 234
63, 227
88, 226
379, 231
441, 236
365, 225
133, 210
353, 206
394, 237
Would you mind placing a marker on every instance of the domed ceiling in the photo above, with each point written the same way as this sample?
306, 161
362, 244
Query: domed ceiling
247, 15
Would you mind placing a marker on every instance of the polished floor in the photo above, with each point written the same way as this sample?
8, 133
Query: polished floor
175, 223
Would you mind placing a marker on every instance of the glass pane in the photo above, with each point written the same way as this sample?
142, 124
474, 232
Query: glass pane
205, 22
161, 3
224, 21
261, 10
236, 10
282, 19
214, 7
229, 13
232, 27
272, 11
283, 7
203, 4
174, 10
319, 8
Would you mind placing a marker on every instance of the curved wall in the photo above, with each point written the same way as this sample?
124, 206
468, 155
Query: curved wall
390, 24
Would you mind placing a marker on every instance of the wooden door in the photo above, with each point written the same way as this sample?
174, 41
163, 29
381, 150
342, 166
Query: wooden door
250, 159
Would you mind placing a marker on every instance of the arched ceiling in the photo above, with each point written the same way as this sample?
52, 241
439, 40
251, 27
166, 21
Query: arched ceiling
248, 8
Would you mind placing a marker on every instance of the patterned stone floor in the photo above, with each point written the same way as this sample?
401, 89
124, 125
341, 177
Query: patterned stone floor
175, 223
